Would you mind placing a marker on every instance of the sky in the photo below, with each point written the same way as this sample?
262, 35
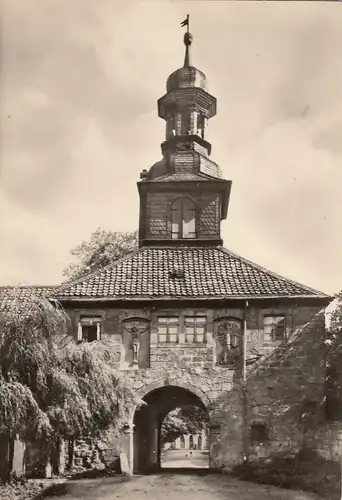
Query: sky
78, 123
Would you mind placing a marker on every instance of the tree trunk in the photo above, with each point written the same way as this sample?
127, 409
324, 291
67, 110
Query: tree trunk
55, 452
6, 457
71, 450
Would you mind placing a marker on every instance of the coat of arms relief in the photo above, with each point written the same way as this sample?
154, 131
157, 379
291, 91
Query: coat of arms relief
228, 342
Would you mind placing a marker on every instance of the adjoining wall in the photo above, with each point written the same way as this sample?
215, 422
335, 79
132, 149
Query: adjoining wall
286, 392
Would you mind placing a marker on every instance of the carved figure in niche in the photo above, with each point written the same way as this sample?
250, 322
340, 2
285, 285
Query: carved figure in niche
135, 345
228, 334
135, 328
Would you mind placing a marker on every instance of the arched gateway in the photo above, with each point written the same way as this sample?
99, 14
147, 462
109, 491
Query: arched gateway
148, 419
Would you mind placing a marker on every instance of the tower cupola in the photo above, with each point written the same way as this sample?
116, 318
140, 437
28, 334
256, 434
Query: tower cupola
186, 166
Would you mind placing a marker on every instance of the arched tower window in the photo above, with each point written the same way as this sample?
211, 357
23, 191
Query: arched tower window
183, 213
186, 122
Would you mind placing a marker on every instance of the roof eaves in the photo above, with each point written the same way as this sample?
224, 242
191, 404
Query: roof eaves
79, 298
314, 292
21, 287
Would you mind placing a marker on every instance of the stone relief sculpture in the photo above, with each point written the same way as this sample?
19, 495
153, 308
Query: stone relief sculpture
135, 345
135, 328
227, 342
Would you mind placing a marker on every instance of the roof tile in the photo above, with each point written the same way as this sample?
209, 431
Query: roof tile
23, 293
208, 272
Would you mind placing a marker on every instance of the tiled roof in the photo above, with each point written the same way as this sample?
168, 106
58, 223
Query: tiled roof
23, 293
208, 272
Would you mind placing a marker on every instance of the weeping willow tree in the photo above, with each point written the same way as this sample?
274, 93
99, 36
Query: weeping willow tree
49, 390
87, 394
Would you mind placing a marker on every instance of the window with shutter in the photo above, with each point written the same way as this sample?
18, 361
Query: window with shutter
274, 329
183, 219
188, 219
89, 328
176, 218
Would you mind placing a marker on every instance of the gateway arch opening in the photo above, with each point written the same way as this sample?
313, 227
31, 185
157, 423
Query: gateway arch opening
170, 409
185, 439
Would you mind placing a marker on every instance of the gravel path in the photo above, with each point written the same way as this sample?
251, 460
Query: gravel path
175, 487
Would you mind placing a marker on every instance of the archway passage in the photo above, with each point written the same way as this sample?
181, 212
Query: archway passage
184, 435
148, 421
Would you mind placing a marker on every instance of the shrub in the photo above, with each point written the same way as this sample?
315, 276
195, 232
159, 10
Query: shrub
19, 489
306, 471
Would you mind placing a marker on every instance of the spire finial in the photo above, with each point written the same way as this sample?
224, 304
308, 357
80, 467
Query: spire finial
187, 40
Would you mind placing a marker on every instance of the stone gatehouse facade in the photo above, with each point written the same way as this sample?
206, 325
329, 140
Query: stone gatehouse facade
191, 322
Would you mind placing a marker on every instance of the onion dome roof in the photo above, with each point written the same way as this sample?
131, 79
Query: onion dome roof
188, 76
159, 169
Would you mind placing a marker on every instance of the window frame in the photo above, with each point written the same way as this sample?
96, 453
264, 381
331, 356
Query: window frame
167, 323
179, 218
192, 321
255, 433
273, 325
89, 320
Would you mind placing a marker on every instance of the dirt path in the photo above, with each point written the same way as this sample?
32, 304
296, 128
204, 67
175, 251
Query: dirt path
175, 487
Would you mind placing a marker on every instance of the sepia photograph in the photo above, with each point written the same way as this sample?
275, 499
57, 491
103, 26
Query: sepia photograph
170, 259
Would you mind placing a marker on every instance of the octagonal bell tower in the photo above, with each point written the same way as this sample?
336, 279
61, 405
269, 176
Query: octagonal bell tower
183, 197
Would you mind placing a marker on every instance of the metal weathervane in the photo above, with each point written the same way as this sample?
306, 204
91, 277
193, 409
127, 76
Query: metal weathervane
186, 23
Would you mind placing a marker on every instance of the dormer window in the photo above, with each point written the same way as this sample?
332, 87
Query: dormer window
183, 219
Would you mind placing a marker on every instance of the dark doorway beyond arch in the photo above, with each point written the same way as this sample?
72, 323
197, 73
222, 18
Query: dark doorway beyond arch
148, 420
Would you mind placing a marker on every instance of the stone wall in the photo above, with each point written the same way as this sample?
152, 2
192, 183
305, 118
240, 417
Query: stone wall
284, 397
288, 381
97, 453
152, 354
286, 392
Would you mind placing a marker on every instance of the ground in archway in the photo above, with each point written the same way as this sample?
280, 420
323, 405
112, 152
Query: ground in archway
174, 487
189, 459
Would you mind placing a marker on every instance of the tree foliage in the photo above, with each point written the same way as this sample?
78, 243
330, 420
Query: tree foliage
103, 247
50, 390
27, 355
336, 315
182, 421
334, 360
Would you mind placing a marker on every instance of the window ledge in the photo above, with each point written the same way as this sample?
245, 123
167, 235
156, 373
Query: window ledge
182, 345
227, 367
